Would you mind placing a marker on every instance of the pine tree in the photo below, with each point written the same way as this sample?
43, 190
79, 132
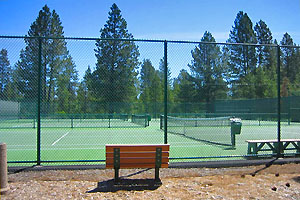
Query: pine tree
296, 86
264, 53
207, 70
5, 73
84, 96
288, 57
265, 78
242, 58
26, 74
151, 88
185, 89
67, 86
54, 56
117, 61
170, 94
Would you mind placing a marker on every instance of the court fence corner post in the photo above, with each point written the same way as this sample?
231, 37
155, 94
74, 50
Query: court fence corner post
3, 169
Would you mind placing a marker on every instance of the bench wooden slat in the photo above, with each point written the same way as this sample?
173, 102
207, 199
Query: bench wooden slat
137, 154
137, 160
124, 156
137, 148
139, 165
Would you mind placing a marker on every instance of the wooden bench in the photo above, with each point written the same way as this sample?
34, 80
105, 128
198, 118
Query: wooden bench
137, 156
254, 146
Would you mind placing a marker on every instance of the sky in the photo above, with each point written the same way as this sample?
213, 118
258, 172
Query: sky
155, 19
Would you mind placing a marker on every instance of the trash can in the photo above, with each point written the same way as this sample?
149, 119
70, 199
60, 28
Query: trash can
236, 126
149, 117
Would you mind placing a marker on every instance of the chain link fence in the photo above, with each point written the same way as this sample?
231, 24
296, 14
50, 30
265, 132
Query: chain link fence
63, 99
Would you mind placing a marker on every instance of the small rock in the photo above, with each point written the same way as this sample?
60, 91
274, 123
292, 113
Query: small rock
287, 184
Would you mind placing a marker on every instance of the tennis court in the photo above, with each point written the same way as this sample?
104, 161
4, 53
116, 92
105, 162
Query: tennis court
78, 145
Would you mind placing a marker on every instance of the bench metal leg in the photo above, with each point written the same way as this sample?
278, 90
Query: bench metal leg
278, 149
298, 149
252, 148
117, 163
157, 174
249, 149
117, 175
158, 160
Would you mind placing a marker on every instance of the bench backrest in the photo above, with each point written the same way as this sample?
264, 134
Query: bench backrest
137, 155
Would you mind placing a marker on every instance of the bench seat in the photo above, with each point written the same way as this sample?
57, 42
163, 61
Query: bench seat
254, 146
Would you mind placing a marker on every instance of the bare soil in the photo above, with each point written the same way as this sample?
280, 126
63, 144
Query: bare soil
254, 182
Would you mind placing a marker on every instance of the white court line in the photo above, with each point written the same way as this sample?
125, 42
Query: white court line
63, 136
60, 138
109, 136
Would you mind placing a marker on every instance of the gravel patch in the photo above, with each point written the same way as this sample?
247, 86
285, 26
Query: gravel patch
254, 182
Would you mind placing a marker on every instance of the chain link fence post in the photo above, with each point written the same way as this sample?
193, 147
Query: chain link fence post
165, 91
278, 103
39, 102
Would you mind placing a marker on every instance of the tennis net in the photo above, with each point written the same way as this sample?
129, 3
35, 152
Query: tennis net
216, 130
142, 120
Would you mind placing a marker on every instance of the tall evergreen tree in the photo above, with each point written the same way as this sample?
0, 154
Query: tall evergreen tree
288, 56
84, 96
23, 79
117, 61
170, 94
207, 70
264, 53
296, 85
66, 86
54, 56
151, 88
5, 73
265, 78
242, 60
162, 71
184, 88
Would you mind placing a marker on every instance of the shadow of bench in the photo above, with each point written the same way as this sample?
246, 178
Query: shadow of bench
126, 185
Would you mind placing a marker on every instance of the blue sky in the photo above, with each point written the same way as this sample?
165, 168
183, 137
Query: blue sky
153, 19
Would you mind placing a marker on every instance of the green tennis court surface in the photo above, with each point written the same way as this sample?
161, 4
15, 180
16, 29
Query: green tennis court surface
85, 144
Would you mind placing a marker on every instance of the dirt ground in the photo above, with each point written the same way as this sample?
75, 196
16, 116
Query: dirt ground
253, 182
